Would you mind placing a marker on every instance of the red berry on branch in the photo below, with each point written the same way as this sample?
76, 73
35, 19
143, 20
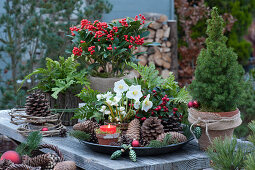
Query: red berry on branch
174, 112
195, 104
159, 107
159, 117
167, 99
153, 91
190, 104
144, 118
175, 109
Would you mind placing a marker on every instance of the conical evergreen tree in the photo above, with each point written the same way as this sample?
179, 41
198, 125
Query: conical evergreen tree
218, 76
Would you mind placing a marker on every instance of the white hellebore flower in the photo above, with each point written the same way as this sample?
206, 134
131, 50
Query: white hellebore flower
134, 92
107, 112
109, 102
137, 104
120, 86
147, 104
102, 109
122, 109
99, 97
108, 95
116, 100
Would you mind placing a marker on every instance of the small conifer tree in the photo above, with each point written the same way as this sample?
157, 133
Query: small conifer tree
218, 76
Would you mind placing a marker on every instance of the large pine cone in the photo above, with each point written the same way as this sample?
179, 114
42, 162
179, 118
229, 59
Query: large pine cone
88, 126
134, 129
172, 124
175, 137
151, 128
37, 105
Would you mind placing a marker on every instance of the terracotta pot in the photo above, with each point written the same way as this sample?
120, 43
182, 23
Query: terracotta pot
217, 129
107, 139
105, 84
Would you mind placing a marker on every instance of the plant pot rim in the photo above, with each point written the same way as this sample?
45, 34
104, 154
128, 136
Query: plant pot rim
221, 114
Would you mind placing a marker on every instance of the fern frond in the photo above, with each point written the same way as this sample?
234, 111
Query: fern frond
251, 137
149, 74
170, 83
183, 96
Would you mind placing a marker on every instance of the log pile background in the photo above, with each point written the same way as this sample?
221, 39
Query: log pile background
164, 32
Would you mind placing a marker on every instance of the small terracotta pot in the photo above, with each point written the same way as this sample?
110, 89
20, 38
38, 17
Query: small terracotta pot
107, 139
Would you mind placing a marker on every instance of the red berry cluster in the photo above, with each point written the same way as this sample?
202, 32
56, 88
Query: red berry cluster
194, 104
77, 51
102, 30
91, 50
165, 99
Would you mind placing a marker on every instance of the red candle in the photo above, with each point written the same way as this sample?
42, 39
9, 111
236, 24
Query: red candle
108, 128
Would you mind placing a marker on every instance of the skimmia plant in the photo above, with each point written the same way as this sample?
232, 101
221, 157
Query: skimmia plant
100, 44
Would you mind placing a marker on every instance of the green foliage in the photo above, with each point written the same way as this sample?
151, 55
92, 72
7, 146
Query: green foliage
80, 135
242, 11
246, 106
226, 154
218, 76
250, 161
58, 76
33, 30
158, 144
89, 110
32, 142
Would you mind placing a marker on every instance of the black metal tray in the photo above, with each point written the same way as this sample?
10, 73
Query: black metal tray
140, 151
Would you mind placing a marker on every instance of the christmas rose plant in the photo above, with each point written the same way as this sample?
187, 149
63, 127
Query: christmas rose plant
124, 102
107, 47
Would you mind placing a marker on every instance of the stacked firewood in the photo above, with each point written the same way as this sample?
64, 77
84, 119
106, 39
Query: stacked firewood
160, 55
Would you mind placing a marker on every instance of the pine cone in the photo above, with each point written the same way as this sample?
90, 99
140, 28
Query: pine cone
40, 160
66, 165
176, 137
125, 140
172, 124
22, 167
89, 127
151, 128
134, 129
4, 164
37, 105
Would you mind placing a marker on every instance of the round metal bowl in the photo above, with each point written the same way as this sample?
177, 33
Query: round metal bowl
140, 151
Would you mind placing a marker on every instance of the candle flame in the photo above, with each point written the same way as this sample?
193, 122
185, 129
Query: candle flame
109, 125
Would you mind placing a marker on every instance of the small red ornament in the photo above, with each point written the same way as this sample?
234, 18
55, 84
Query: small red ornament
195, 104
44, 129
175, 109
12, 156
135, 143
190, 104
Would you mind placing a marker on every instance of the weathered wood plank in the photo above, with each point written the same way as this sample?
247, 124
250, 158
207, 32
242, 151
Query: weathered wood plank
190, 157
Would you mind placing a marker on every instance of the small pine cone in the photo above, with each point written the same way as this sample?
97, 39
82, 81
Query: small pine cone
176, 136
62, 132
172, 123
51, 164
40, 160
66, 165
125, 140
134, 129
88, 126
22, 167
4, 164
151, 128
37, 105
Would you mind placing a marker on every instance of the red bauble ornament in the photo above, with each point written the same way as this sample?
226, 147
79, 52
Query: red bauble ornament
45, 129
195, 104
135, 143
12, 156
190, 104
